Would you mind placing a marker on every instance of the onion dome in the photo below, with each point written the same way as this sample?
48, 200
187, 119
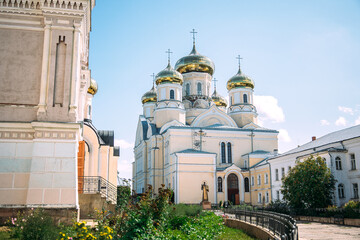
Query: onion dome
93, 87
195, 62
218, 99
169, 75
240, 81
149, 96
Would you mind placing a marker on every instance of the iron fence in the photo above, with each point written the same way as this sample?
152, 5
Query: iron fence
282, 226
100, 185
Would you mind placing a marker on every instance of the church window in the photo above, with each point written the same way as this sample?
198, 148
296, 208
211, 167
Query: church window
338, 163
267, 197
266, 178
341, 191
252, 181
89, 110
229, 153
245, 98
187, 89
353, 163
246, 183
223, 157
199, 88
278, 195
276, 174
282, 172
259, 179
172, 94
356, 190
220, 184
259, 198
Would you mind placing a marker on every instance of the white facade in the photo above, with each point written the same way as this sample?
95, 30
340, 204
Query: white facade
340, 150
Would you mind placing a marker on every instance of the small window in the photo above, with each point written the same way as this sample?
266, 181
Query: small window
278, 195
220, 184
199, 91
245, 164
341, 191
245, 98
356, 190
338, 163
229, 153
282, 172
267, 197
246, 183
187, 89
172, 94
259, 179
259, 198
266, 178
252, 181
353, 162
223, 157
276, 174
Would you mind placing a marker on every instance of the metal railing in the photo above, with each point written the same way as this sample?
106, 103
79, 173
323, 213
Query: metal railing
98, 185
282, 226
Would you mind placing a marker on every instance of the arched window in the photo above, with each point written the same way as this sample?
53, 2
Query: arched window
246, 183
172, 94
338, 163
229, 153
259, 179
199, 88
220, 184
223, 157
245, 98
341, 191
187, 89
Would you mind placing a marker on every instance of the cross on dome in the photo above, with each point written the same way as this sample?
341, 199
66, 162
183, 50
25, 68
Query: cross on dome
214, 80
169, 54
153, 76
239, 58
193, 33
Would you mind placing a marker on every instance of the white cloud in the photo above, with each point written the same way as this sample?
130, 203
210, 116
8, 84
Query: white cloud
268, 109
346, 110
324, 122
284, 135
340, 122
123, 144
357, 121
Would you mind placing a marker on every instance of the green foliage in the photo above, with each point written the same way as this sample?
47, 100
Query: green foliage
309, 184
352, 205
123, 195
181, 210
233, 234
35, 225
278, 206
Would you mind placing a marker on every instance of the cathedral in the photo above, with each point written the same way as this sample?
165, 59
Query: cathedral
188, 137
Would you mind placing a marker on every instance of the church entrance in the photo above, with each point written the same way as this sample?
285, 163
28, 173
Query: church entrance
233, 189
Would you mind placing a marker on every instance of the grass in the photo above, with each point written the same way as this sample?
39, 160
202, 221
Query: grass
233, 234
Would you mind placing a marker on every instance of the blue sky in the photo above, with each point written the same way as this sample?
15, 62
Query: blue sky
304, 57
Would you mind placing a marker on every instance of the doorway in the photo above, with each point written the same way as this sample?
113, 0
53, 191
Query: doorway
233, 189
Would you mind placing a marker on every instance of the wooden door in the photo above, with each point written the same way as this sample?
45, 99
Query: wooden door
81, 164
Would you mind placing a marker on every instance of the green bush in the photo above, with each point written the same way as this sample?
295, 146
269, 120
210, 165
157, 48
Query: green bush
35, 225
182, 210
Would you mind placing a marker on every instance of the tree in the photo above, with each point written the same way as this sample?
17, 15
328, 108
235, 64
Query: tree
309, 184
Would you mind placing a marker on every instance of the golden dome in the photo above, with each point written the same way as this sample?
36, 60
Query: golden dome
149, 96
93, 87
169, 75
195, 62
240, 81
218, 100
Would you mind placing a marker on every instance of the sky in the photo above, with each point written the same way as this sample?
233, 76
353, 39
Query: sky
304, 57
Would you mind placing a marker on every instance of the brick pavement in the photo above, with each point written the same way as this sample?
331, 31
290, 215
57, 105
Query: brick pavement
315, 231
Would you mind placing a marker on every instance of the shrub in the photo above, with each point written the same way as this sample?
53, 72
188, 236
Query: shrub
182, 210
35, 225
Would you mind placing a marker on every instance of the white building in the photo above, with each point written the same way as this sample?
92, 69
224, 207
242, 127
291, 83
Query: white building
340, 150
187, 137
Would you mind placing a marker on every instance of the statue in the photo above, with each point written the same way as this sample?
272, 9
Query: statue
205, 190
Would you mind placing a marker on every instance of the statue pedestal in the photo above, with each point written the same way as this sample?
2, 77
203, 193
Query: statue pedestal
206, 205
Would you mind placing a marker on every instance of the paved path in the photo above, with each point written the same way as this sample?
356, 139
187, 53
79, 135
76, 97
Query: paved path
315, 231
